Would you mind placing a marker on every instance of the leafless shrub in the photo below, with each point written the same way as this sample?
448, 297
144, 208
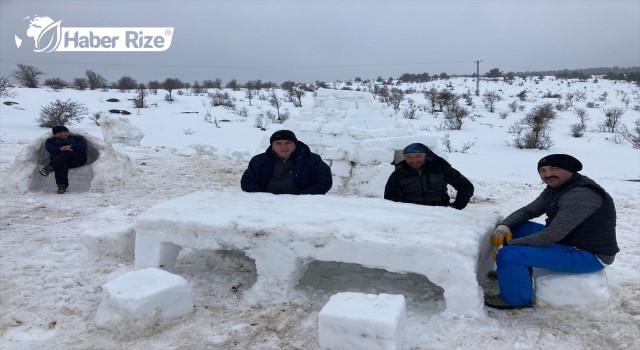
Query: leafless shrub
489, 98
5, 88
61, 113
95, 116
219, 98
262, 121
633, 135
208, 116
411, 111
243, 112
532, 131
446, 142
612, 118
454, 117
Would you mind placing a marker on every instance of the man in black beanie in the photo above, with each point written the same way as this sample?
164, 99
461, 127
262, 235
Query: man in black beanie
67, 151
423, 178
287, 167
579, 234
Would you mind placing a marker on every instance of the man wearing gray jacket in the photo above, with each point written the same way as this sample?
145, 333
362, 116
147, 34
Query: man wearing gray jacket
579, 234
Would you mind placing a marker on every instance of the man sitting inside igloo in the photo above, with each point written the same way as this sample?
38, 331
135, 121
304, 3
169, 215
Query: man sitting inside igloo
104, 170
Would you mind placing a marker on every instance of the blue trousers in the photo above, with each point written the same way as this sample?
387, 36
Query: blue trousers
515, 264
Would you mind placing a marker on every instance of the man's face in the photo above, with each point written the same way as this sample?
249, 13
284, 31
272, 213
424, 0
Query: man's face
283, 148
62, 134
554, 176
415, 160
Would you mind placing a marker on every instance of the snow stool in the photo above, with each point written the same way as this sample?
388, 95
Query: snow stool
138, 300
359, 321
588, 291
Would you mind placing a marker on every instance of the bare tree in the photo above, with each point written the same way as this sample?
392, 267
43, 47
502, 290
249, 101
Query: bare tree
126, 83
61, 113
27, 75
197, 89
95, 80
80, 83
169, 85
274, 100
154, 85
296, 96
233, 85
612, 118
490, 98
141, 93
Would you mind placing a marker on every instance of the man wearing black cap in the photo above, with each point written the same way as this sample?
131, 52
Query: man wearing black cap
579, 234
67, 151
422, 178
287, 167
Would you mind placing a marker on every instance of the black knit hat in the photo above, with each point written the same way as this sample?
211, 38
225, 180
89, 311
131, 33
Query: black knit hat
59, 128
416, 148
563, 161
283, 135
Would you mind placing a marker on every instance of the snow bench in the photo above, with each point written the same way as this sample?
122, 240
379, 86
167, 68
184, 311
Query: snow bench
284, 233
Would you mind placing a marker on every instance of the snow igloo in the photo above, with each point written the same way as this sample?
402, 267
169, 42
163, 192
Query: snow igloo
106, 169
359, 137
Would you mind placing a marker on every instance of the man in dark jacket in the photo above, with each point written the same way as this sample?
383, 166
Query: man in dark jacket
287, 167
422, 178
67, 151
579, 235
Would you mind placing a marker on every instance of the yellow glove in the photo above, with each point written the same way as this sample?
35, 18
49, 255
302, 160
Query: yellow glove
501, 233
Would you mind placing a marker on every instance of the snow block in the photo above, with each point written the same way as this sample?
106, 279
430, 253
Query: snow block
137, 301
110, 239
588, 291
359, 321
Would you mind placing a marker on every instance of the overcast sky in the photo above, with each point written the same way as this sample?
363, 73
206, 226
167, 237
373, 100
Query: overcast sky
306, 41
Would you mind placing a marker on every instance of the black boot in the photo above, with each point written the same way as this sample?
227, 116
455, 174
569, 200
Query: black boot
62, 189
46, 170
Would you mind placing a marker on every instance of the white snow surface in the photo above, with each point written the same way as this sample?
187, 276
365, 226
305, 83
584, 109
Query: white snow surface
54, 272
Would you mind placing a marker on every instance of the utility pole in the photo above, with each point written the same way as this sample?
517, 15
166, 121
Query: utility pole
478, 77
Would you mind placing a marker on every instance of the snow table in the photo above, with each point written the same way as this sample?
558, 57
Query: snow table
283, 233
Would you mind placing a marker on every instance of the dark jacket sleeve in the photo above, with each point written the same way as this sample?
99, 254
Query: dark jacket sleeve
79, 144
320, 177
392, 189
251, 180
464, 188
51, 147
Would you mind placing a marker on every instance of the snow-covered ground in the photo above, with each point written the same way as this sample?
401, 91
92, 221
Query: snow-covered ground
51, 280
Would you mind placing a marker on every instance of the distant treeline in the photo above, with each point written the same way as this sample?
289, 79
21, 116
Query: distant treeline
631, 74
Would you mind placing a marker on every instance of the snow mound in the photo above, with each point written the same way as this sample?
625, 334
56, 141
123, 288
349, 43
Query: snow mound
106, 169
120, 130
